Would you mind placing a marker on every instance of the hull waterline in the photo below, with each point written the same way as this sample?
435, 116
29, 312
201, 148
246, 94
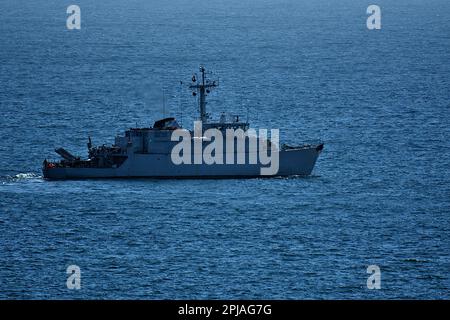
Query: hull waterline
159, 166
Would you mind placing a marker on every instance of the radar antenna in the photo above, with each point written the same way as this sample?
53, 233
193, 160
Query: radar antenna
202, 87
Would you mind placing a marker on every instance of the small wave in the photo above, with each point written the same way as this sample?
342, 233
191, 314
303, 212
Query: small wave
21, 176
28, 175
298, 176
415, 260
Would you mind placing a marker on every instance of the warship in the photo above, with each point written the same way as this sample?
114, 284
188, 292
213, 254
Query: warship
149, 151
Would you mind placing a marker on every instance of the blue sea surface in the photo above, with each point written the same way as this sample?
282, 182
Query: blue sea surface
379, 194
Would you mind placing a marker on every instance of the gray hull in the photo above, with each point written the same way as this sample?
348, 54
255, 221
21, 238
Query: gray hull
291, 162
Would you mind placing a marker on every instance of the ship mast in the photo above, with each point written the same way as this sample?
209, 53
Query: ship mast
202, 87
